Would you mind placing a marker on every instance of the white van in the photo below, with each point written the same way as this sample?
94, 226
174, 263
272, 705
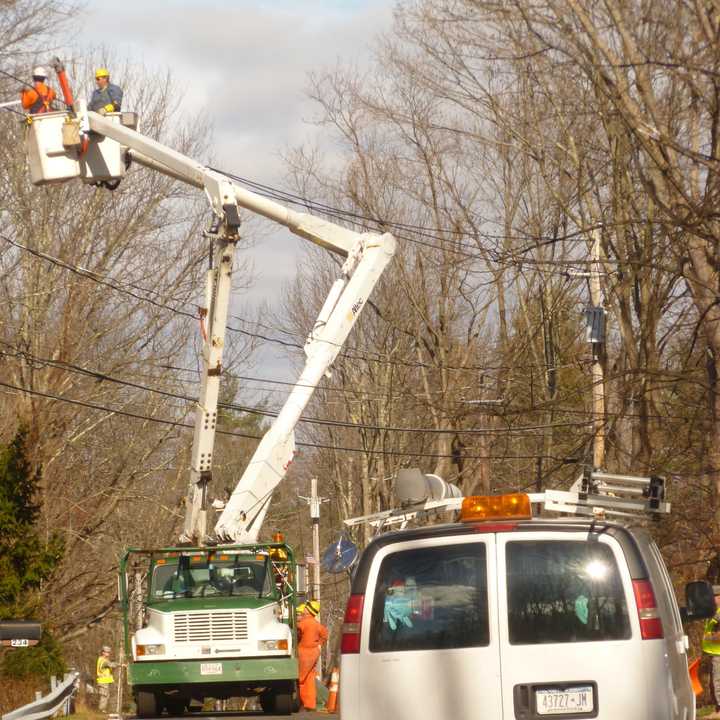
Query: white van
516, 619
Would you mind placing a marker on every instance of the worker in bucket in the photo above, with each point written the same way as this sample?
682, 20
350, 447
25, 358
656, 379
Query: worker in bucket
106, 97
39, 97
104, 677
311, 636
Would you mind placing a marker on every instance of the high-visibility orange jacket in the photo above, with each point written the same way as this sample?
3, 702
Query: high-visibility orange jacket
311, 635
38, 98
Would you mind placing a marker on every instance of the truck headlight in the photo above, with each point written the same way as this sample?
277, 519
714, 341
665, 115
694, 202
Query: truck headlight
150, 650
272, 644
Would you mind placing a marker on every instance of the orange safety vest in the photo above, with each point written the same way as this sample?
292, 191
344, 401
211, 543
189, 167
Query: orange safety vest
38, 98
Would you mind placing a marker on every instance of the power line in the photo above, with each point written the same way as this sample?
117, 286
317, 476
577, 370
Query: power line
322, 446
132, 290
430, 232
26, 84
95, 277
270, 413
116, 285
510, 259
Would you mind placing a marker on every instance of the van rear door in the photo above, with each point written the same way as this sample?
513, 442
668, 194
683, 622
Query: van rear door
429, 647
568, 628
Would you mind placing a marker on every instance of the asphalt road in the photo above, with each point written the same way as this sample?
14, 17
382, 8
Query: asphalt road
253, 714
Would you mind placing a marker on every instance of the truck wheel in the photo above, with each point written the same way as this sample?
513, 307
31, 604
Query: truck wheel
284, 703
147, 704
175, 706
267, 702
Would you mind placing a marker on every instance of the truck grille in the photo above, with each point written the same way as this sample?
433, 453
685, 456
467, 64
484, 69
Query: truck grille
207, 627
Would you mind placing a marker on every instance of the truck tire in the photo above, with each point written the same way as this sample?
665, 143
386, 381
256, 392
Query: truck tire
147, 704
284, 703
267, 702
175, 706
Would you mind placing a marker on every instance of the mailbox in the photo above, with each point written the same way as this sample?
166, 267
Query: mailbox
19, 633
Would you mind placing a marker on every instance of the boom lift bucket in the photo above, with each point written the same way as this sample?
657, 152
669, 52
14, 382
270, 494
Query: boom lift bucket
50, 161
57, 151
104, 159
61, 147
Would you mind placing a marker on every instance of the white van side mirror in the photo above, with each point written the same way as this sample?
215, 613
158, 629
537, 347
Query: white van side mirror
700, 601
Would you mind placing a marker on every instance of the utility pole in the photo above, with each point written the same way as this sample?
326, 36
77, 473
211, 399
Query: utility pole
315, 517
596, 337
595, 334
315, 501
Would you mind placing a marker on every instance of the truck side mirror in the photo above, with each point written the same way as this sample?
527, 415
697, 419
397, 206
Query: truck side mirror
699, 600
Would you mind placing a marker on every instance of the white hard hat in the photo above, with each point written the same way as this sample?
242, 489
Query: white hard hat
39, 71
107, 648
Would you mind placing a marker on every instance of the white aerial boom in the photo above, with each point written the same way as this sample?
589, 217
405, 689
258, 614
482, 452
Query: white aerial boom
367, 255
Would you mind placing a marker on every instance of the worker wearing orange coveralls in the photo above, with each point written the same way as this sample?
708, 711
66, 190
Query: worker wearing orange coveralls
39, 97
311, 636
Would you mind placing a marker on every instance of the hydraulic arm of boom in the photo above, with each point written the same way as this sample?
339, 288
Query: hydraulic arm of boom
367, 255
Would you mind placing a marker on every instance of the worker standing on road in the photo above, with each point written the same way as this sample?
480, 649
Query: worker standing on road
106, 97
711, 647
105, 677
311, 636
39, 97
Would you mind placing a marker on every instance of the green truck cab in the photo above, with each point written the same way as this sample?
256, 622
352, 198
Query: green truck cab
203, 623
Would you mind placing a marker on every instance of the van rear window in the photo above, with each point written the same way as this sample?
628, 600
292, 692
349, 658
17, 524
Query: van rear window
564, 591
430, 599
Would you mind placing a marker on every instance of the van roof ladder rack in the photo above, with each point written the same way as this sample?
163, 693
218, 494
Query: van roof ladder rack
598, 493
594, 494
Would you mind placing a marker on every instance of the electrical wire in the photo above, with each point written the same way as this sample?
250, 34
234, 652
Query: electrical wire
18, 353
233, 433
16, 112
26, 84
350, 353
512, 261
95, 277
467, 251
430, 232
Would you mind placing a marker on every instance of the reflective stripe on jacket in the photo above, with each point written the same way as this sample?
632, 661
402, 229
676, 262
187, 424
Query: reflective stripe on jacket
38, 98
710, 646
104, 672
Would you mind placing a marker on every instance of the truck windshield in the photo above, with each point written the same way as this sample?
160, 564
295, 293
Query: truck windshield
196, 577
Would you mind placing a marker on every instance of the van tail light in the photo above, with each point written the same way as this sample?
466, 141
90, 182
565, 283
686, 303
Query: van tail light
650, 623
352, 623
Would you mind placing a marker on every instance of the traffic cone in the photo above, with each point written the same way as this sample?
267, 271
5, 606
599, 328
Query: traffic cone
693, 670
331, 704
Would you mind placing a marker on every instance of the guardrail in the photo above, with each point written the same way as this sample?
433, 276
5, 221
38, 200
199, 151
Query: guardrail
45, 707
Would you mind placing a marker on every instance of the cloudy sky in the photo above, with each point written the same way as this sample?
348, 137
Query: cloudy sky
245, 64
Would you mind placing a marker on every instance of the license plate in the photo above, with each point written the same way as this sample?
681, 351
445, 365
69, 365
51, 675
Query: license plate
564, 702
19, 642
211, 668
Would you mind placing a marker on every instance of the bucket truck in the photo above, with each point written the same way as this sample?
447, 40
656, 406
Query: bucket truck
214, 616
